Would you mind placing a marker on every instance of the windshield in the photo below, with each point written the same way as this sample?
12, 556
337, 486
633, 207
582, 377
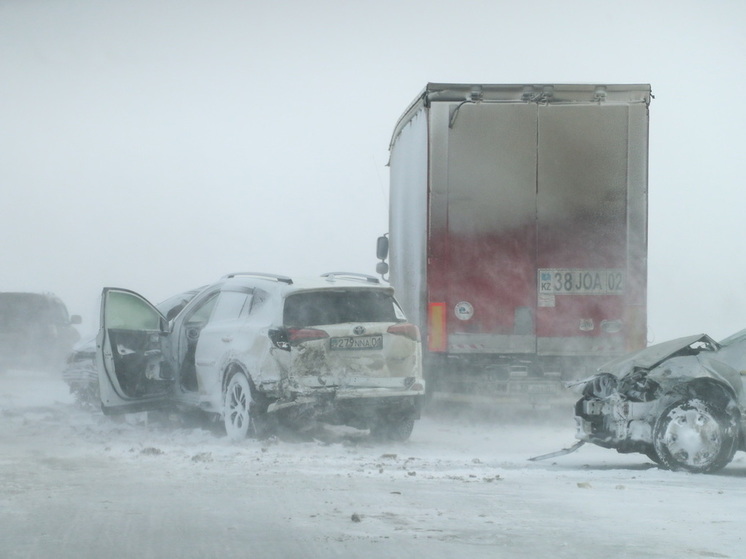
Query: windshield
737, 337
17, 309
174, 304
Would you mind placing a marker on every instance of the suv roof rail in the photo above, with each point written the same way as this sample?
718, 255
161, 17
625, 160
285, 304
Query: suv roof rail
275, 277
351, 275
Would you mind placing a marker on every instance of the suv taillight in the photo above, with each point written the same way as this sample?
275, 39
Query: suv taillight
406, 329
298, 335
283, 338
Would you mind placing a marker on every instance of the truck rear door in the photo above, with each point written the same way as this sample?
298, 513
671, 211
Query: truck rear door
584, 211
488, 257
541, 247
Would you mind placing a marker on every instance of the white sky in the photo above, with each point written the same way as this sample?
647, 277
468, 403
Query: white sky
158, 144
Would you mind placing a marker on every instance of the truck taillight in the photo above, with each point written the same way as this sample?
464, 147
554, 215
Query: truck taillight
436, 319
406, 329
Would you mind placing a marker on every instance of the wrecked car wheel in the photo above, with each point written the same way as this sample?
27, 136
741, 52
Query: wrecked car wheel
237, 407
653, 455
694, 436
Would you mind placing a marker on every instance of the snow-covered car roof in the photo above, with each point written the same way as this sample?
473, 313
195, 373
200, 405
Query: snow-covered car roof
287, 284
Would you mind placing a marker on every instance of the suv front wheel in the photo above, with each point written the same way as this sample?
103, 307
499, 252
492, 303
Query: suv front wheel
237, 406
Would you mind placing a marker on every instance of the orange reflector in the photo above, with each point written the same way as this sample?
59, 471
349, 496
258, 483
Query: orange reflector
437, 335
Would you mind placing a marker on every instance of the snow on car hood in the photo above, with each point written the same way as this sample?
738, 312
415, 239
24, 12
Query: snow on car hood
653, 355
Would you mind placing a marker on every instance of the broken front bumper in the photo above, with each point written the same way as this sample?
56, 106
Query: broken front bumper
615, 423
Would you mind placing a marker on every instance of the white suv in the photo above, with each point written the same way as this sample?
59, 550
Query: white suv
336, 349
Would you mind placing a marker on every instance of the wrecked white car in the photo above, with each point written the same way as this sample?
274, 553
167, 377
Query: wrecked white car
681, 403
336, 349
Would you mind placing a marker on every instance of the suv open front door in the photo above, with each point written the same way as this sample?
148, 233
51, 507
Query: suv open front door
135, 372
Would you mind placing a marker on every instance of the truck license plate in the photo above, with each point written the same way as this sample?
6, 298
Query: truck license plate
566, 281
358, 342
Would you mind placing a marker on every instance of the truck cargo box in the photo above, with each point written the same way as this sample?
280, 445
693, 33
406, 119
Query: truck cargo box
518, 227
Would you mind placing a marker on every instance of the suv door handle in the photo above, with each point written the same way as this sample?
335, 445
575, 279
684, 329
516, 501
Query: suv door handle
227, 339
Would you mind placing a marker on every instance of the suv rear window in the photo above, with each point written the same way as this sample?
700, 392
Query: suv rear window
313, 308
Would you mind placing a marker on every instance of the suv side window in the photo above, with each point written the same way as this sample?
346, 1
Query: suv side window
128, 312
202, 313
229, 305
258, 298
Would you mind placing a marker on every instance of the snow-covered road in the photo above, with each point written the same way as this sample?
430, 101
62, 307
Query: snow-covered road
76, 484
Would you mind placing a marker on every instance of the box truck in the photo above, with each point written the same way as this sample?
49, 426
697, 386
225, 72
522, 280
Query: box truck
518, 231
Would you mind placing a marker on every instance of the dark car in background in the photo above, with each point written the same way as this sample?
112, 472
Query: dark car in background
681, 403
36, 331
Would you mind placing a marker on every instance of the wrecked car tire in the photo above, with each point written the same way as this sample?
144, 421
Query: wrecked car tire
695, 436
653, 455
237, 407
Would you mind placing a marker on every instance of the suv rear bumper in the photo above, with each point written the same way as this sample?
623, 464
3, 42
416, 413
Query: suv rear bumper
365, 396
355, 409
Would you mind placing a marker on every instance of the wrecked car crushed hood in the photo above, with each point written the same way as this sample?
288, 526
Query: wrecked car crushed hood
653, 355
671, 362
